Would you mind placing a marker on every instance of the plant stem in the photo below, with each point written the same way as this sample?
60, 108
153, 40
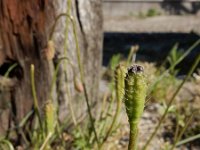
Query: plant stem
188, 140
107, 111
35, 100
10, 69
114, 120
171, 101
68, 18
182, 131
65, 63
172, 66
80, 69
80, 66
119, 87
177, 125
45, 143
103, 106
90, 114
133, 137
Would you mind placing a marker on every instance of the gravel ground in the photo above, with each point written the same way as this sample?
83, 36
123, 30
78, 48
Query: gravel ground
190, 91
190, 94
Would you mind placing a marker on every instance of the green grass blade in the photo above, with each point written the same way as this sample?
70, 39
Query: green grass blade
190, 139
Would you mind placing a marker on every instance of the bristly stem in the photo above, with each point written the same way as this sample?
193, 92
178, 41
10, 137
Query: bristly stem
80, 69
119, 87
65, 63
68, 19
35, 100
133, 137
182, 131
10, 69
83, 81
195, 137
185, 54
171, 101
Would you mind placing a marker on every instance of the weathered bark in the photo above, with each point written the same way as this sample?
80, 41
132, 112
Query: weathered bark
24, 34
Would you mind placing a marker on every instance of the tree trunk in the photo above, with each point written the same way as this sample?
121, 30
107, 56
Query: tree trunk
25, 28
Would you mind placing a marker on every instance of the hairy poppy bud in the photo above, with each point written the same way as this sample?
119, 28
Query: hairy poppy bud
78, 85
135, 94
49, 52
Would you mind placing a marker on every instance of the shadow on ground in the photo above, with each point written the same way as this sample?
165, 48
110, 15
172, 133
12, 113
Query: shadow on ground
178, 7
154, 47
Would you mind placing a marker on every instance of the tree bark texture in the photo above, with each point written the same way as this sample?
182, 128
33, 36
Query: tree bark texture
25, 27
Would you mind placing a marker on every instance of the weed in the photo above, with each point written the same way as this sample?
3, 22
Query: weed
172, 100
152, 12
131, 85
5, 144
135, 94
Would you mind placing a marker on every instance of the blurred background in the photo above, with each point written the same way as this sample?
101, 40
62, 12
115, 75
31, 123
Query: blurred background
63, 65
161, 31
155, 25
